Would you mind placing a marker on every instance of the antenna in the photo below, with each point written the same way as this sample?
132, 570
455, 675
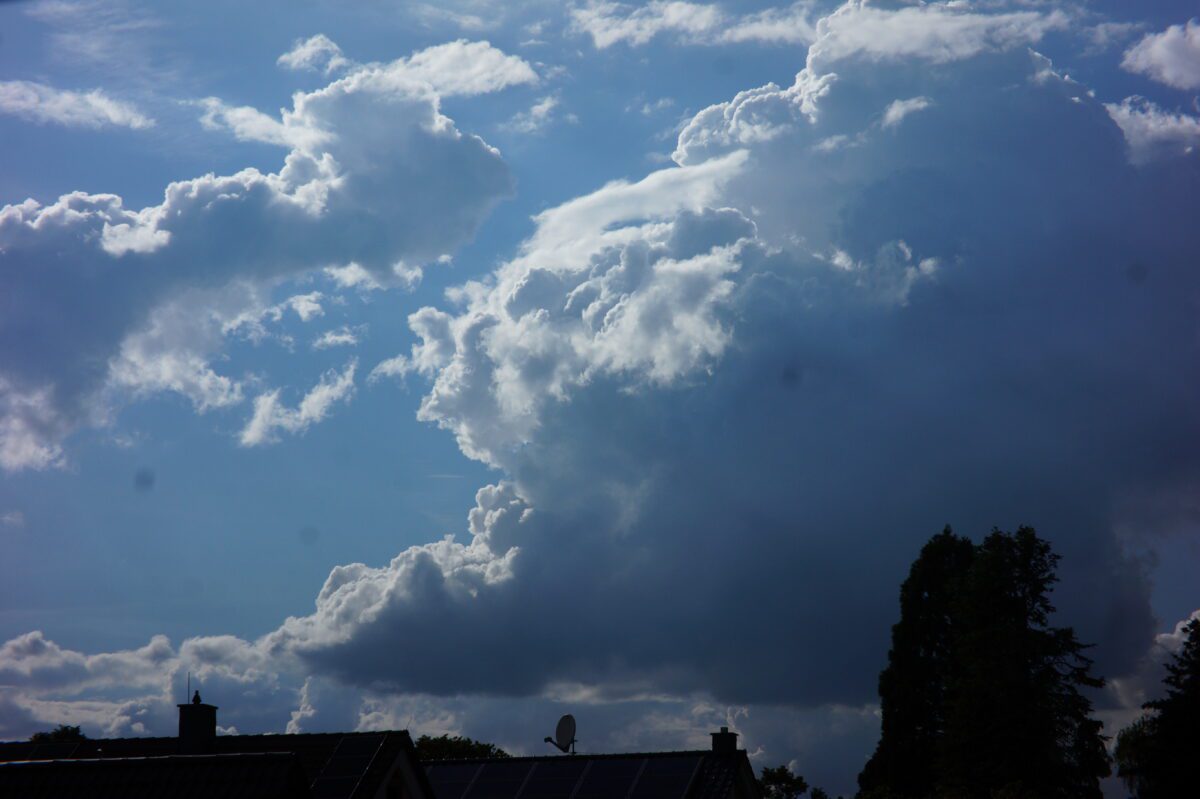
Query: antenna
189, 690
564, 735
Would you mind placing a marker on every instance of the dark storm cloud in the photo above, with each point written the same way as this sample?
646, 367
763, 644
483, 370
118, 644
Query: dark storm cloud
722, 487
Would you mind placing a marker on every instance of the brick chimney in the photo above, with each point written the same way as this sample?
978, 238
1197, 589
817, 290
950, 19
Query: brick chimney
197, 725
724, 742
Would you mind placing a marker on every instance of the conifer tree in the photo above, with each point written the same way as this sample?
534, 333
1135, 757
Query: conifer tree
1017, 718
982, 697
1158, 756
912, 687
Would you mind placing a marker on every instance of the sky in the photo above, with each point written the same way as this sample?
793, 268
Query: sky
455, 366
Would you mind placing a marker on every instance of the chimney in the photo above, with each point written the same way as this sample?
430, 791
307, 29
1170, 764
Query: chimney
197, 725
724, 742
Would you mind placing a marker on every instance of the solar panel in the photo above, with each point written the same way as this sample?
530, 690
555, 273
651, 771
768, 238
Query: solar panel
333, 787
609, 777
665, 777
500, 779
360, 745
554, 779
450, 780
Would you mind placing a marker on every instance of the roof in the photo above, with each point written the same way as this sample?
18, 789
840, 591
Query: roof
335, 765
698, 774
274, 775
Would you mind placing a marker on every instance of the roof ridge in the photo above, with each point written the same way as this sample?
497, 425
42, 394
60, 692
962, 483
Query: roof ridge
576, 756
88, 741
204, 756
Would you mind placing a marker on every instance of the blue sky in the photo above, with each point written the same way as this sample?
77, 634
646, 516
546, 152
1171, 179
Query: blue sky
689, 322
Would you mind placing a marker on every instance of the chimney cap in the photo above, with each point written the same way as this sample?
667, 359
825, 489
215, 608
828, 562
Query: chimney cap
196, 697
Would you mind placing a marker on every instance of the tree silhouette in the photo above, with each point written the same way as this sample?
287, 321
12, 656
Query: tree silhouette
781, 783
981, 696
63, 732
1016, 716
1157, 755
912, 687
445, 747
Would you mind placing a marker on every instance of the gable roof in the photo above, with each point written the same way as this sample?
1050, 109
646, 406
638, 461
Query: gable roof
273, 775
334, 765
697, 774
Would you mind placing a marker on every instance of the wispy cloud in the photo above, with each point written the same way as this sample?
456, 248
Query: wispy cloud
38, 102
110, 35
694, 23
539, 115
271, 416
899, 109
343, 336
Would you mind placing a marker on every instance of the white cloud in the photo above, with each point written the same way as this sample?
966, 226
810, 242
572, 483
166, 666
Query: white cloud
30, 427
271, 416
374, 176
936, 33
12, 518
1171, 57
853, 37
316, 53
694, 23
306, 306
455, 68
612, 23
536, 118
1153, 132
791, 25
897, 110
250, 124
33, 661
464, 68
342, 336
432, 15
248, 318
168, 355
40, 103
752, 117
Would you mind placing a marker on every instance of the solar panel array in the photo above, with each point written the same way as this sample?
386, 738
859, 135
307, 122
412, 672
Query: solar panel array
632, 777
336, 765
346, 766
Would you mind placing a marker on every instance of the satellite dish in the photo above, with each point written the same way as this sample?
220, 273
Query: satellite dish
564, 734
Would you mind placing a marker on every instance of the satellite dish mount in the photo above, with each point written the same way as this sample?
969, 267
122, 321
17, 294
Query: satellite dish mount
564, 735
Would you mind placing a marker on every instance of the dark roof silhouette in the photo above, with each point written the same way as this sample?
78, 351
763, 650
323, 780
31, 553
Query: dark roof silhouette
333, 765
273, 775
699, 774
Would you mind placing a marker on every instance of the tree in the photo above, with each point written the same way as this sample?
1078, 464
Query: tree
912, 687
1016, 715
445, 747
63, 732
1133, 753
781, 783
1156, 755
982, 696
